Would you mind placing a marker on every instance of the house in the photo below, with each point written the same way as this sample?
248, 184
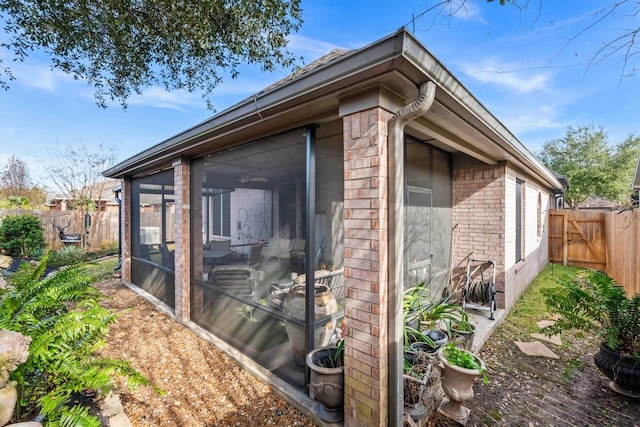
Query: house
369, 170
101, 193
599, 204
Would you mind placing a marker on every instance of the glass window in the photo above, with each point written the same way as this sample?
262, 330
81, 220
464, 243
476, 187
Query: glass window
152, 236
518, 219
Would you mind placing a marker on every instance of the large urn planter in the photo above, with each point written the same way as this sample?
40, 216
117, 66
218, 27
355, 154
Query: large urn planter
623, 371
457, 384
293, 305
327, 382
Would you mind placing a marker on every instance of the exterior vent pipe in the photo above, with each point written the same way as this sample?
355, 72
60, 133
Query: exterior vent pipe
396, 239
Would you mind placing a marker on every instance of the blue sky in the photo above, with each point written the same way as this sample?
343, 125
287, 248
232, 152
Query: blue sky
522, 65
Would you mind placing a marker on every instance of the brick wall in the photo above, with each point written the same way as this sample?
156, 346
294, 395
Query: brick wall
181, 178
366, 270
478, 217
484, 223
125, 231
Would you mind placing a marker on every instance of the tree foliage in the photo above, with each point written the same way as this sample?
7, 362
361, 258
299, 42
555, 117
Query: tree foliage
15, 179
120, 47
592, 166
16, 188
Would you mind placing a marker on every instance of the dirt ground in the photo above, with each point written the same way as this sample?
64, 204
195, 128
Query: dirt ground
205, 388
536, 391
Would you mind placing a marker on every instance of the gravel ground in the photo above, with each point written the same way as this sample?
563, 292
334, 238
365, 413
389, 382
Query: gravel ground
203, 386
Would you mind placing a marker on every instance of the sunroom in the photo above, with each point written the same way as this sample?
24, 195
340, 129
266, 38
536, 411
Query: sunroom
303, 212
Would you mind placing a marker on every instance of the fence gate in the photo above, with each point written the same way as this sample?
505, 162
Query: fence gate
577, 238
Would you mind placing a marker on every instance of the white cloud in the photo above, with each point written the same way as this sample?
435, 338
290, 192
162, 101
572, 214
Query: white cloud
310, 48
467, 10
159, 98
39, 76
510, 75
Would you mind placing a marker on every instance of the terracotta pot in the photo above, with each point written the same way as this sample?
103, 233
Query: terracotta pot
293, 305
623, 371
326, 384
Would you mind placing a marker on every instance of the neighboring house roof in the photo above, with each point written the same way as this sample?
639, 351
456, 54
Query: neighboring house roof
636, 178
599, 203
103, 192
399, 63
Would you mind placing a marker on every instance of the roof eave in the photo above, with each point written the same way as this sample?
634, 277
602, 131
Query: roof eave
253, 108
431, 66
400, 51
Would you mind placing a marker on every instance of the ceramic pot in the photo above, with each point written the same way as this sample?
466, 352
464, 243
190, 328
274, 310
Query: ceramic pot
463, 338
623, 371
293, 305
326, 384
457, 384
439, 338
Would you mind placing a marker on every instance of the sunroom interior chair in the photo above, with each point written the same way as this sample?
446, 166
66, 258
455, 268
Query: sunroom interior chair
168, 257
237, 279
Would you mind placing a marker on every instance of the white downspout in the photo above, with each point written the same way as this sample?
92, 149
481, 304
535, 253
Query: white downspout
396, 239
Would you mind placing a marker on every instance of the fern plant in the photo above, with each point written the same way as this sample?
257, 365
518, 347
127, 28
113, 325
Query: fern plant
67, 325
596, 303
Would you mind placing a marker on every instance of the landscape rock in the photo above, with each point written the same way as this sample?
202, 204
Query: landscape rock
5, 261
14, 350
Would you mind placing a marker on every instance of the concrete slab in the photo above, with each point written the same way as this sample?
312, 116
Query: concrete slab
553, 339
545, 323
536, 348
484, 325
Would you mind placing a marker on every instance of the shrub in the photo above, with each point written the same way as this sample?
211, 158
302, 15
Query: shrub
109, 248
22, 235
67, 325
596, 303
66, 255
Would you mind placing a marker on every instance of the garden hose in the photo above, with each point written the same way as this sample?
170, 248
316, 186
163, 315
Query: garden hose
481, 292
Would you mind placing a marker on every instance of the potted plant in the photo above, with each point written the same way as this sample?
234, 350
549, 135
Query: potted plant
420, 375
595, 302
326, 365
461, 368
463, 332
426, 319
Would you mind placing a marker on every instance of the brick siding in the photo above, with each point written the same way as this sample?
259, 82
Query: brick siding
181, 178
366, 269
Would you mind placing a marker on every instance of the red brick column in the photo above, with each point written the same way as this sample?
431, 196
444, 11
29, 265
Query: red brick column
181, 181
366, 269
125, 230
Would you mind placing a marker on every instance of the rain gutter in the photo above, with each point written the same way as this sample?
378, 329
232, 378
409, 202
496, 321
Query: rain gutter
397, 123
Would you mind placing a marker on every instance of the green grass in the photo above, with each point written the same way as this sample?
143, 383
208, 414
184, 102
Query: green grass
530, 308
102, 269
